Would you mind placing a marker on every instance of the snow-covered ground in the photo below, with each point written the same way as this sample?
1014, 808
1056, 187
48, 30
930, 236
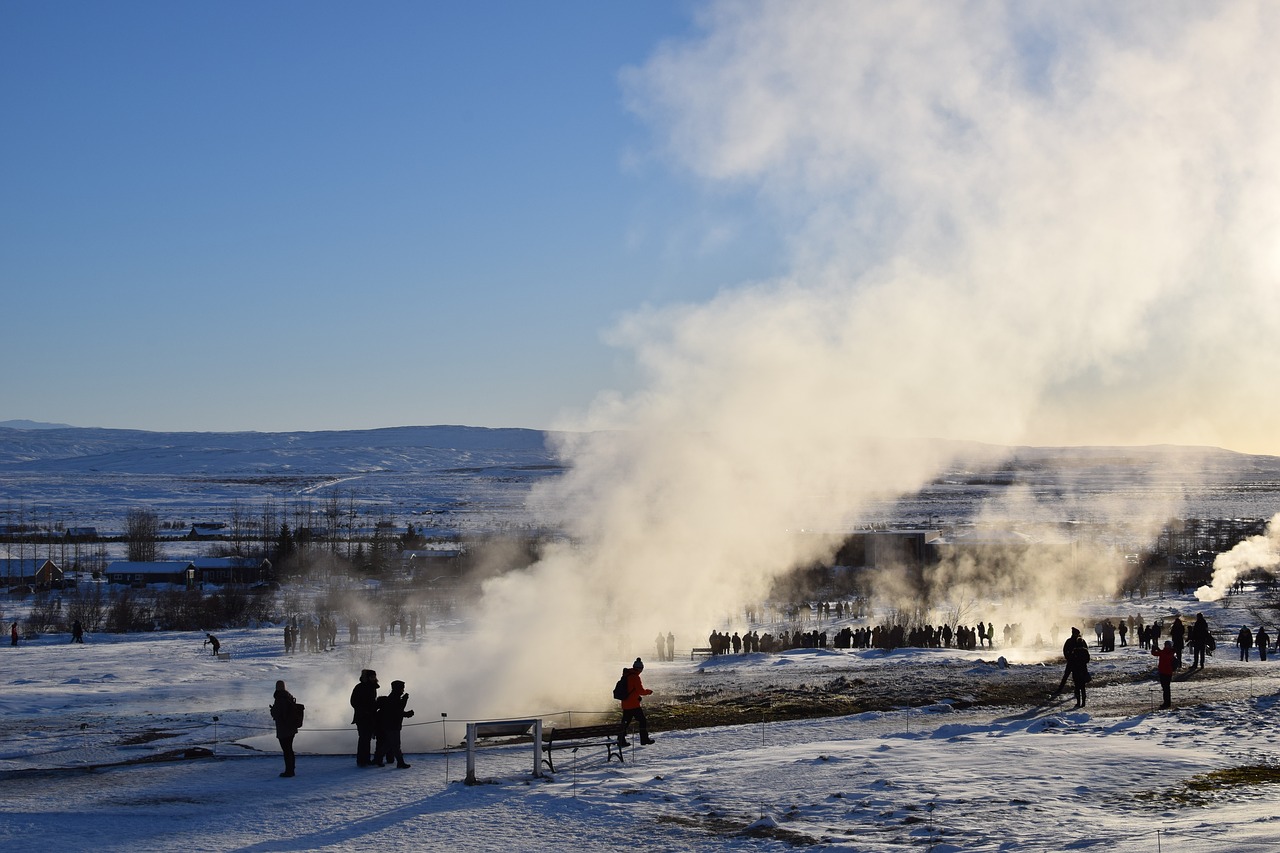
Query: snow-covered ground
77, 720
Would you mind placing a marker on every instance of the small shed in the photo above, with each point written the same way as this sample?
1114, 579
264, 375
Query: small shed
160, 571
35, 572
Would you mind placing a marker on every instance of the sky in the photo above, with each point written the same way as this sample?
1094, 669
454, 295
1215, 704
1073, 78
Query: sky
1007, 222
313, 215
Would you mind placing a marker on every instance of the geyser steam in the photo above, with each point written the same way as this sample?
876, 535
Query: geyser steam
1013, 223
1256, 552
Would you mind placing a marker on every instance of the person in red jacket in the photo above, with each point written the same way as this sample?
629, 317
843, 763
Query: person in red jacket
631, 706
1164, 668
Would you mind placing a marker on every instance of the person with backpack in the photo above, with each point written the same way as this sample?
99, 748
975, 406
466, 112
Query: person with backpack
632, 690
287, 712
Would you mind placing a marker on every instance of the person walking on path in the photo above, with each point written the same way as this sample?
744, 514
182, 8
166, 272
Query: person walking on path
1201, 640
13, 634
391, 716
631, 709
284, 710
1261, 640
1164, 669
364, 703
1245, 641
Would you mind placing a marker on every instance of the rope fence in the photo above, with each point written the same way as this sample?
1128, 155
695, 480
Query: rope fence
109, 739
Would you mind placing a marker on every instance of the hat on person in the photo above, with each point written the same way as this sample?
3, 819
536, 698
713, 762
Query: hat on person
639, 664
396, 684
368, 673
1168, 644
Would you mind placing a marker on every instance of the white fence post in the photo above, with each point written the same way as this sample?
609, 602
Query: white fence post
471, 753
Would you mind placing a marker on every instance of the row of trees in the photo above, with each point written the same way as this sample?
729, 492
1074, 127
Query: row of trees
124, 611
342, 525
99, 608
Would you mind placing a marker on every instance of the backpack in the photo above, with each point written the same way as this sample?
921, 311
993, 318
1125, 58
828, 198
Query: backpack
298, 709
620, 690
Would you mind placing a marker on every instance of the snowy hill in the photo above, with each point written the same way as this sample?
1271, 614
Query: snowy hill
461, 476
94, 475
140, 452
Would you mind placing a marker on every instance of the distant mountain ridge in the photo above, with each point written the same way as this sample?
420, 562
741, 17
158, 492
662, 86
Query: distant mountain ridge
63, 449
25, 424
407, 449
454, 478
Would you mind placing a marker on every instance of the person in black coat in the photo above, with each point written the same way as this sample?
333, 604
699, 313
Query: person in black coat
1200, 640
1245, 641
1078, 664
1178, 633
1076, 640
364, 702
391, 716
284, 712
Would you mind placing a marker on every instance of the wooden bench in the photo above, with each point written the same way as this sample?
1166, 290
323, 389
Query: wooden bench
704, 652
578, 736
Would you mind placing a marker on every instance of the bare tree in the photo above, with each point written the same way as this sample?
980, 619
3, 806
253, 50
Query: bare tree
87, 606
333, 516
239, 524
268, 528
141, 534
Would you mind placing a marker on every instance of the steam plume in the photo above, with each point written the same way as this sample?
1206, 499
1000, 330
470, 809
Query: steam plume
1256, 552
1014, 223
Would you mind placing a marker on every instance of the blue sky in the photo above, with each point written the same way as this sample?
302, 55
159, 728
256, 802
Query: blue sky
313, 215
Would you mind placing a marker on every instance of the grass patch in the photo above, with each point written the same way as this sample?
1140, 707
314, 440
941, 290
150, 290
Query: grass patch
1208, 787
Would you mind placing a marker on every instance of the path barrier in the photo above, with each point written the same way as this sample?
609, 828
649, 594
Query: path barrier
508, 729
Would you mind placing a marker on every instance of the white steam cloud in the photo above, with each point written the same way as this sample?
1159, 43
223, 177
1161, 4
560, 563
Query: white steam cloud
1256, 552
1036, 223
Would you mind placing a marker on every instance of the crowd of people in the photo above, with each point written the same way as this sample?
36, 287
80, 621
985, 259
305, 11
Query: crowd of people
320, 633
311, 635
378, 721
875, 637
